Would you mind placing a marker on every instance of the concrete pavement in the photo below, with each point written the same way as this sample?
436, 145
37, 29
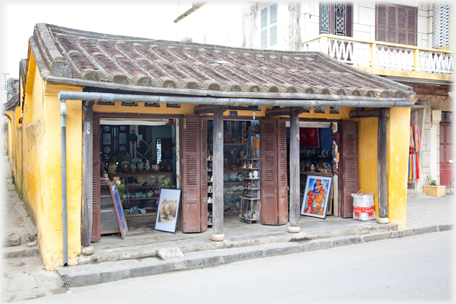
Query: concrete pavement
147, 251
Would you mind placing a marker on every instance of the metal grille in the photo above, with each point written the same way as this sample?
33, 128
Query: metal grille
324, 18
340, 18
440, 25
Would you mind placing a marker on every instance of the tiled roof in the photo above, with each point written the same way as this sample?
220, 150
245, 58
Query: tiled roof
157, 66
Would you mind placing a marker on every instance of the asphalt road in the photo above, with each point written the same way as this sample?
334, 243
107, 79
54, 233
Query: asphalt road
416, 268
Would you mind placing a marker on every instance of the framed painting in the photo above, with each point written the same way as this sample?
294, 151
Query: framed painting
121, 221
309, 137
316, 196
168, 209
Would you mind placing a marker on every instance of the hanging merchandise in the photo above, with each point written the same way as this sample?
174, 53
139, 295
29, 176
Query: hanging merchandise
417, 139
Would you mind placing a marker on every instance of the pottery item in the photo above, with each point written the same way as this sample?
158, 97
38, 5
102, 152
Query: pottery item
112, 168
233, 177
251, 174
225, 177
240, 177
142, 179
255, 174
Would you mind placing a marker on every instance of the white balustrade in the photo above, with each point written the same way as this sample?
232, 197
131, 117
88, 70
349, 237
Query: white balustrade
387, 56
436, 62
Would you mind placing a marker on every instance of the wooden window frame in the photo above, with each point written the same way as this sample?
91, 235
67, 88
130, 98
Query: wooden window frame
332, 19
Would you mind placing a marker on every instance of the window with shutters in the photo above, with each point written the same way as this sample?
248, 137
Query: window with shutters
396, 24
441, 25
336, 18
268, 21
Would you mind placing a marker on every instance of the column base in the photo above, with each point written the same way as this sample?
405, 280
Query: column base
294, 229
383, 220
217, 237
87, 250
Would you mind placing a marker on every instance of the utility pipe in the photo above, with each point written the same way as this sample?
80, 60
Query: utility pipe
350, 101
64, 181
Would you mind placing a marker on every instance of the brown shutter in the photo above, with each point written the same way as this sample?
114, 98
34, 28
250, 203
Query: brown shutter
391, 34
96, 214
204, 178
411, 26
402, 25
274, 194
268, 144
191, 174
349, 167
282, 170
396, 24
381, 22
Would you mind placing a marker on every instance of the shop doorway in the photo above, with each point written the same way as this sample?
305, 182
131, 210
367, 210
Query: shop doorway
141, 156
260, 145
318, 150
330, 149
446, 152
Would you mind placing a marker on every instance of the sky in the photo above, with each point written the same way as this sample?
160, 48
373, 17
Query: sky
147, 19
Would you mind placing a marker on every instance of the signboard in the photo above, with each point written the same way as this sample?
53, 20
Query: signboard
119, 210
244, 107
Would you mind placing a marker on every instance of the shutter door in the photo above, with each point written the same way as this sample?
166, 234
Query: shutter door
96, 214
191, 177
349, 170
274, 193
282, 164
204, 176
269, 183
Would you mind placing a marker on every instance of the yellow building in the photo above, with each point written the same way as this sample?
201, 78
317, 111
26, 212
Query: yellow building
161, 114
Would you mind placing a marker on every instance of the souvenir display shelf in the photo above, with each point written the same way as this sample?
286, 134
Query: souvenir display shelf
142, 190
251, 201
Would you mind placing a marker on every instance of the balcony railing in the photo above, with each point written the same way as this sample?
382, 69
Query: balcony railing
382, 55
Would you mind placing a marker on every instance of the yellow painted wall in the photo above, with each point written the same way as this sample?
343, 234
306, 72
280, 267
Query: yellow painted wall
53, 255
367, 157
42, 171
398, 132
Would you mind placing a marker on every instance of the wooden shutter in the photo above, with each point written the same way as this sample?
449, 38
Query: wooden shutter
282, 170
396, 24
204, 175
274, 195
411, 26
190, 220
273, 24
391, 34
349, 168
381, 22
264, 27
96, 213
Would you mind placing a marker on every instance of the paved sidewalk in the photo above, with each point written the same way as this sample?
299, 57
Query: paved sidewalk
153, 252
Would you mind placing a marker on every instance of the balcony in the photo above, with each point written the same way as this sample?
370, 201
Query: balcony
386, 59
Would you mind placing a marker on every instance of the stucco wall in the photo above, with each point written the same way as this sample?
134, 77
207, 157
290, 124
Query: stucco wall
398, 130
368, 159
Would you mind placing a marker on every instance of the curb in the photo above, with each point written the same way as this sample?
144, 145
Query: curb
82, 275
149, 251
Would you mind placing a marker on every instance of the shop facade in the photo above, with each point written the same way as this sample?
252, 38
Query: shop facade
234, 139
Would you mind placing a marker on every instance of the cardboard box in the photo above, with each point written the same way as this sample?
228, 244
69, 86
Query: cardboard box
434, 190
